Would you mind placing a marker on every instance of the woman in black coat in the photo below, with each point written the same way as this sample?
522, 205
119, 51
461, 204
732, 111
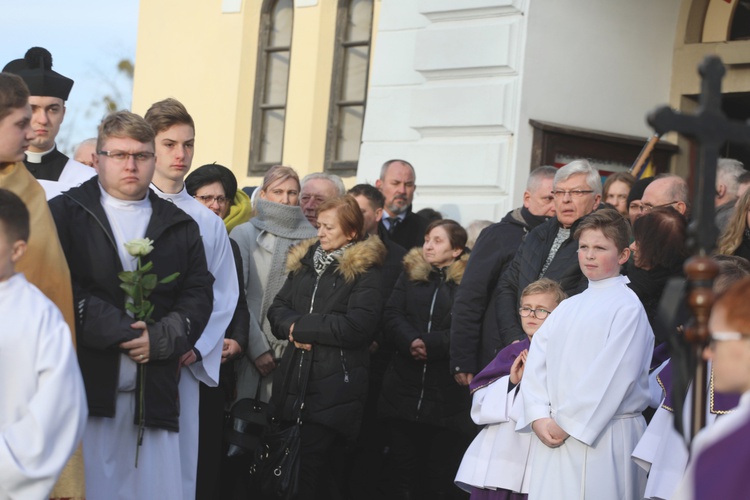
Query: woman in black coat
428, 413
329, 307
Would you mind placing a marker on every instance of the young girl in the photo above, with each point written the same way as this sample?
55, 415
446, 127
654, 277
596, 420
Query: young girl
586, 379
494, 466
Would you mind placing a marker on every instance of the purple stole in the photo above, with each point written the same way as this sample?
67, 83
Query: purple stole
500, 366
721, 470
719, 402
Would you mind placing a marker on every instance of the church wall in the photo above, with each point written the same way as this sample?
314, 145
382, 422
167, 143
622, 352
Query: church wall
455, 82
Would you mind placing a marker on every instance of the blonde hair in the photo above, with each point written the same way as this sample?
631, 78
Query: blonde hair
278, 174
124, 124
545, 285
731, 239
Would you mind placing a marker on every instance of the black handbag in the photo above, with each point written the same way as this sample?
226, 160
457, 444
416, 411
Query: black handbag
248, 420
275, 467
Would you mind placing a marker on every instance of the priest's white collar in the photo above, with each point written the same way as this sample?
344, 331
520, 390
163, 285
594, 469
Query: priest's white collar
609, 282
108, 199
34, 157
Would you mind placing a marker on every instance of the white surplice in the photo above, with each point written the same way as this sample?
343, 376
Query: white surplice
588, 370
42, 401
73, 175
220, 260
498, 457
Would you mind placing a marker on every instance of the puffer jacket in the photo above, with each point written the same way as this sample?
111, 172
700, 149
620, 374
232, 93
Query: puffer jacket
338, 313
525, 268
420, 307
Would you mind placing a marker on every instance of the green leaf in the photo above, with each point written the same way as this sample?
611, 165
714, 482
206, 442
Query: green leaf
169, 278
131, 307
149, 282
130, 290
127, 276
147, 267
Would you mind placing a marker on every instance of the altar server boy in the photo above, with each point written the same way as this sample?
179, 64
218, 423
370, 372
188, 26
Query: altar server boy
586, 377
42, 403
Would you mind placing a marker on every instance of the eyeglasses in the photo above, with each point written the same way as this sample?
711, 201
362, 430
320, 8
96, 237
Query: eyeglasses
647, 207
207, 200
540, 313
122, 156
724, 336
574, 193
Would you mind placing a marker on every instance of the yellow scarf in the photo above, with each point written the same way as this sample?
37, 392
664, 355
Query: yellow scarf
239, 212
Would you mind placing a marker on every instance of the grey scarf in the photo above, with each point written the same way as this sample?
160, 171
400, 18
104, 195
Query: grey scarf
290, 226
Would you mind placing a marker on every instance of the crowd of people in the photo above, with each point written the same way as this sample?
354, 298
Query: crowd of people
142, 304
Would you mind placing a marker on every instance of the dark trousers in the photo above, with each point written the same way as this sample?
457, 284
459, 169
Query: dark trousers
211, 415
424, 460
321, 453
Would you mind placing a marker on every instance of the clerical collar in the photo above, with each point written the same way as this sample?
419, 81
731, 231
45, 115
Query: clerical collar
108, 199
34, 157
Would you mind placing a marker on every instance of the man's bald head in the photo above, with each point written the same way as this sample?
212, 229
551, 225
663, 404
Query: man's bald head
666, 190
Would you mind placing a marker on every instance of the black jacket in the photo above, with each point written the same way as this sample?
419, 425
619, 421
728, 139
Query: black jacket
475, 339
525, 269
181, 308
338, 313
409, 233
424, 391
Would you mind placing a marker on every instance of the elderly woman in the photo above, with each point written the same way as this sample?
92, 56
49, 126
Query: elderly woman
264, 242
428, 413
216, 187
330, 307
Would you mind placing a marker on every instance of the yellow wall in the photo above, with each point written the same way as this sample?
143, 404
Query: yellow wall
190, 50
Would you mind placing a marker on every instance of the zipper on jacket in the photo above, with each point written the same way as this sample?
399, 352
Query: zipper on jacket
429, 328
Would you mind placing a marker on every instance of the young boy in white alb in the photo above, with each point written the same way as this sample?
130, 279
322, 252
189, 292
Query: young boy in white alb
42, 403
586, 377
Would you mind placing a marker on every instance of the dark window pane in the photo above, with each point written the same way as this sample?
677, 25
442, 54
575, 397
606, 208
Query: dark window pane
277, 77
350, 133
356, 60
272, 136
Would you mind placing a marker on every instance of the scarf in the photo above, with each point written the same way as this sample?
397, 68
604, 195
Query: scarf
290, 226
323, 259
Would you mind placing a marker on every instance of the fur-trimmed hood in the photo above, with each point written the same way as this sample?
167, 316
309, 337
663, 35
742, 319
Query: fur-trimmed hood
418, 269
356, 259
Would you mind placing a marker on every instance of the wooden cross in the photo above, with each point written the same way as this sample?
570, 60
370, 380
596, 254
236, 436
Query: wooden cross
710, 128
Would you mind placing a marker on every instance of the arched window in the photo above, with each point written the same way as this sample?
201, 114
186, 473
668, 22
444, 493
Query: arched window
349, 85
271, 82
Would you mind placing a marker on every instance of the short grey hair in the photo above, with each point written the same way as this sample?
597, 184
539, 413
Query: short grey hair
384, 168
728, 172
538, 175
332, 178
575, 167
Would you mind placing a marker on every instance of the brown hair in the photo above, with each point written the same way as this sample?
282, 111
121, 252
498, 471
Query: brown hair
661, 236
167, 113
545, 285
613, 226
457, 235
617, 176
14, 93
349, 215
731, 239
734, 304
278, 174
124, 124
731, 269
14, 217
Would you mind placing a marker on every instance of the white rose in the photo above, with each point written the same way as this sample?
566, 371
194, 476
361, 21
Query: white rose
139, 247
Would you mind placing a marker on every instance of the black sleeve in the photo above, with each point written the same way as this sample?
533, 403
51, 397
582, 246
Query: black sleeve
506, 301
399, 330
239, 327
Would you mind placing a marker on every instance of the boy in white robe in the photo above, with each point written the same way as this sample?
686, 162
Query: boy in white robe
42, 404
497, 458
174, 142
586, 379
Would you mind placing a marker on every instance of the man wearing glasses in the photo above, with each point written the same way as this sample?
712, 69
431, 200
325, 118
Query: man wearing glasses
549, 251
49, 90
667, 190
175, 139
131, 446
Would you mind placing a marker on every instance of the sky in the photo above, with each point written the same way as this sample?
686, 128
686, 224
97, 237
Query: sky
87, 38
